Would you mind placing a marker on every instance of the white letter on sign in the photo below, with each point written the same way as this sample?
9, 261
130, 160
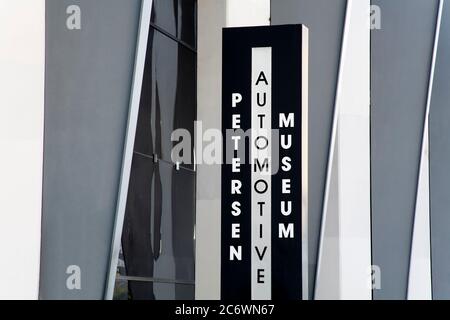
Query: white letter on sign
235, 99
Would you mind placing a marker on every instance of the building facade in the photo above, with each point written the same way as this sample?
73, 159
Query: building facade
94, 205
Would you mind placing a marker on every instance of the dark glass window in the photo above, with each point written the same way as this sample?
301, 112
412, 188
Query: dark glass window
168, 100
177, 18
187, 21
164, 15
158, 232
157, 260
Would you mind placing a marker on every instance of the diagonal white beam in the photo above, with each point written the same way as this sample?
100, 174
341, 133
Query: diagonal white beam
419, 278
141, 50
346, 212
22, 76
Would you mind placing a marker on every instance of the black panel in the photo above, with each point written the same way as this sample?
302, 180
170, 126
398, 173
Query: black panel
236, 69
286, 43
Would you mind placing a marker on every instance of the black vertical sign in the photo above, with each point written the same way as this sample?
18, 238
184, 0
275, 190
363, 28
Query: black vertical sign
264, 175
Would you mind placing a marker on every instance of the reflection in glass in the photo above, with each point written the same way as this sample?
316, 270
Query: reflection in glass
168, 99
158, 232
164, 15
177, 18
163, 291
157, 259
187, 16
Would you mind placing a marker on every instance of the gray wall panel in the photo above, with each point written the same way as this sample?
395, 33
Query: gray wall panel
88, 81
325, 20
401, 61
440, 164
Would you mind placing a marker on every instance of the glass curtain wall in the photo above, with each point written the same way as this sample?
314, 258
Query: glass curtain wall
157, 259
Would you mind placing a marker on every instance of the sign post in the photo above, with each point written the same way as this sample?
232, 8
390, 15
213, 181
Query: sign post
265, 168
